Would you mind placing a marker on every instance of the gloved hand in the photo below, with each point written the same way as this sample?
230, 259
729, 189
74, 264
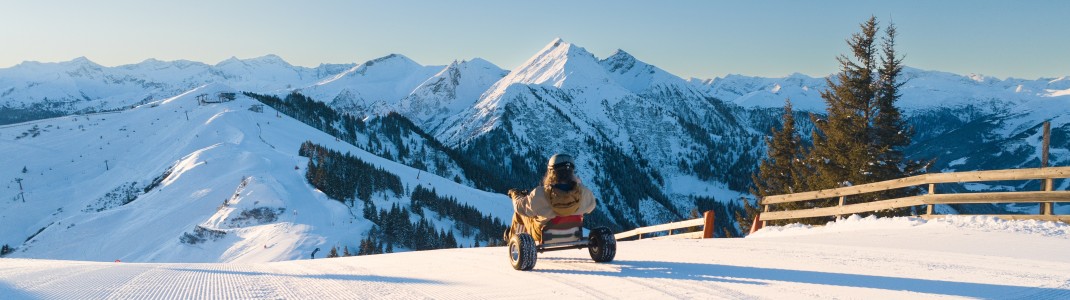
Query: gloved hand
514, 193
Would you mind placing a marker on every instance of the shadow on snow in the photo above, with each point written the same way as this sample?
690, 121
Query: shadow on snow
754, 275
348, 277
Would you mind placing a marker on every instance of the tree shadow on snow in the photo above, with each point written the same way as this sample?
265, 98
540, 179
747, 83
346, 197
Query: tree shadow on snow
347, 277
753, 275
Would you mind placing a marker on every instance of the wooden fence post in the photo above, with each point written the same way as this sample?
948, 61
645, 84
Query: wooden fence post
932, 191
840, 217
1044, 145
766, 210
1047, 207
707, 228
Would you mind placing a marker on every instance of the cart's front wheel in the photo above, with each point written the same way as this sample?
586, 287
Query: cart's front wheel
603, 246
522, 252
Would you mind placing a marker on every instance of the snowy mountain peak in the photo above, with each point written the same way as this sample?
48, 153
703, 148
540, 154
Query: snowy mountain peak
270, 59
450, 91
388, 66
640, 77
480, 63
151, 61
559, 64
266, 60
82, 60
231, 60
980, 78
620, 61
373, 87
389, 62
392, 58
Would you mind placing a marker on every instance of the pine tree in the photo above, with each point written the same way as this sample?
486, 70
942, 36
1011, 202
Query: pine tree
841, 154
333, 253
861, 139
782, 171
892, 134
777, 172
345, 251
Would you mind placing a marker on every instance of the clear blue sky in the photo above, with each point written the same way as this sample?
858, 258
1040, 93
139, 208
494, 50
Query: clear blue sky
1024, 39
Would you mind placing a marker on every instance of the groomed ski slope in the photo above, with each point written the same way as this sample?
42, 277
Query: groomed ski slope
900, 258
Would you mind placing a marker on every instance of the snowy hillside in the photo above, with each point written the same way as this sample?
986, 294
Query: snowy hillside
448, 93
958, 258
147, 184
372, 87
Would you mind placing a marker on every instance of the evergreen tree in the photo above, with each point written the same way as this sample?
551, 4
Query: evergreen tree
345, 251
782, 171
861, 139
842, 153
333, 253
777, 173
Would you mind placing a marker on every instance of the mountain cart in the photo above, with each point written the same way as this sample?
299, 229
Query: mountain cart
562, 233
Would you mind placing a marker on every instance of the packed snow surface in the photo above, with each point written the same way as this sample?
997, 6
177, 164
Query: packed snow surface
856, 258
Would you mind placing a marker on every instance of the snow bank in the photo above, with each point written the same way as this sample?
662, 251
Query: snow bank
855, 223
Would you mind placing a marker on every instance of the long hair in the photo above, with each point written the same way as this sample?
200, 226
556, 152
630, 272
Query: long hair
559, 176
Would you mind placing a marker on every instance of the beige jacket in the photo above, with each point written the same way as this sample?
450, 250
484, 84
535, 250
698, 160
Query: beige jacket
541, 206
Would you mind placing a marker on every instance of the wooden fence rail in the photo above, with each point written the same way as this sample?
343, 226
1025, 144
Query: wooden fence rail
706, 222
1046, 197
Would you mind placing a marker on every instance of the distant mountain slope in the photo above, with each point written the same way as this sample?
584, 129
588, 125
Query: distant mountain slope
81, 86
922, 90
373, 85
226, 185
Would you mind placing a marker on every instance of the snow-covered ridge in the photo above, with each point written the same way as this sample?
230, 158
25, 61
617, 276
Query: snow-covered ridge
373, 86
923, 89
979, 223
81, 85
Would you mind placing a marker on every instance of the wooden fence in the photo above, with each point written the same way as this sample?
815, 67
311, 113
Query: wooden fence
706, 222
1046, 197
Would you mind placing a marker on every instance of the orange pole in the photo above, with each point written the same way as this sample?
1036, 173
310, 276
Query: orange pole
757, 223
707, 229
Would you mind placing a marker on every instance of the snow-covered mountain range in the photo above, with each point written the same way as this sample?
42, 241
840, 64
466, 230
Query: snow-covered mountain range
653, 146
82, 86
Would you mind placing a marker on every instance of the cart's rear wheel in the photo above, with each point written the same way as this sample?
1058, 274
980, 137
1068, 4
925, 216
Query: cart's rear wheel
603, 246
522, 252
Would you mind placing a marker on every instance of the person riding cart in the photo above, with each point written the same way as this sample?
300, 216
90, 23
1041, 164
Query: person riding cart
550, 217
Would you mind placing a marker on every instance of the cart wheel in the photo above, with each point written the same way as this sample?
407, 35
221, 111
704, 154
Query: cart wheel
522, 252
603, 246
